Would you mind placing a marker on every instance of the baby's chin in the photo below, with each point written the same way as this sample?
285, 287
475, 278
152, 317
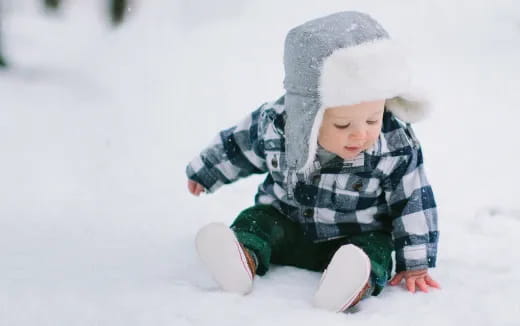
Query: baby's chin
347, 154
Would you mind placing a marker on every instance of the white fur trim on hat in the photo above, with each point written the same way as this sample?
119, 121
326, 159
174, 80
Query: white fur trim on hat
370, 71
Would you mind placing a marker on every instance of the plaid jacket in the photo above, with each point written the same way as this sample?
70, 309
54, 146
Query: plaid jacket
384, 189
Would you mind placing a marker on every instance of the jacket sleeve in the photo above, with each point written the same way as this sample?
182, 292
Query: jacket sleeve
413, 212
235, 153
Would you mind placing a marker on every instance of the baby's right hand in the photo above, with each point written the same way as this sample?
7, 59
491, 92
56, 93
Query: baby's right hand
195, 188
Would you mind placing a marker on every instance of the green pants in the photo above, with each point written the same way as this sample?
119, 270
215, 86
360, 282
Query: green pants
276, 239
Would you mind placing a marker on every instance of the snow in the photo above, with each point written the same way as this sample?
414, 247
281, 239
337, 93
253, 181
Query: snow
97, 125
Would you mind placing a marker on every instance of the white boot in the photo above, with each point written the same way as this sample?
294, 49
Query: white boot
344, 281
227, 260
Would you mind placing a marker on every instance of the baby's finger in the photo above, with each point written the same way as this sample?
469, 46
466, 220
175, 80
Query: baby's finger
396, 279
431, 282
191, 186
194, 188
410, 284
421, 284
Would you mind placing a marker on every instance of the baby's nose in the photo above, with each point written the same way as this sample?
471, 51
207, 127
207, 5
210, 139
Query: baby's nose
357, 133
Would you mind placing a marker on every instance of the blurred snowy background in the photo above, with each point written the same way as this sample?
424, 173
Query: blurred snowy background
98, 122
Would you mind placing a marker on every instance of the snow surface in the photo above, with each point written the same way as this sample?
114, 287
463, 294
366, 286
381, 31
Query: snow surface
97, 125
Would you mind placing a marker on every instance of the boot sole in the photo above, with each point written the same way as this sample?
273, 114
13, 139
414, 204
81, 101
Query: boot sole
223, 256
343, 280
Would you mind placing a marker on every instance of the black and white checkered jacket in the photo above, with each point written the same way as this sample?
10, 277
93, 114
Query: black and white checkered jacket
385, 188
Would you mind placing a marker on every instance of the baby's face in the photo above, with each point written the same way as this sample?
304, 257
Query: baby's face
348, 130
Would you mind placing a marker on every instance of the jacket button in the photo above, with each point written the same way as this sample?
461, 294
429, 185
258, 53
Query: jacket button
308, 212
274, 163
357, 186
316, 179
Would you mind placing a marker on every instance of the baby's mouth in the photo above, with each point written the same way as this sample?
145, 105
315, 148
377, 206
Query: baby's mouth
352, 148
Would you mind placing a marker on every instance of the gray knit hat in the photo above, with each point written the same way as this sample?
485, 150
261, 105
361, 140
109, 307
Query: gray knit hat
342, 59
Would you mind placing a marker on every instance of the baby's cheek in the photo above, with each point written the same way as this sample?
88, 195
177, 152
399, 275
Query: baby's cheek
373, 136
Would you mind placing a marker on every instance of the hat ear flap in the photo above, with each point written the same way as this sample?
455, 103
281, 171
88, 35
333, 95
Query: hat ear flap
409, 108
313, 140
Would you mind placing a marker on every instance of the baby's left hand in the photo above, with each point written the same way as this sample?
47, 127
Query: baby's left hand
419, 278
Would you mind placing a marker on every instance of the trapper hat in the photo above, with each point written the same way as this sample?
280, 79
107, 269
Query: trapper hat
341, 59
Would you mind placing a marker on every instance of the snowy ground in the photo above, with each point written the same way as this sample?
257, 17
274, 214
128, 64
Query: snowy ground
96, 126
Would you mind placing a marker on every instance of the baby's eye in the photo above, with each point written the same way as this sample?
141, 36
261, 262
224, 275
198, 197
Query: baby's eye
372, 122
342, 126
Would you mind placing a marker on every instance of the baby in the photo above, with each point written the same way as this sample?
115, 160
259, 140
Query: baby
345, 183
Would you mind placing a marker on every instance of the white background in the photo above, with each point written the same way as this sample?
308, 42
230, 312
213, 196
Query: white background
97, 125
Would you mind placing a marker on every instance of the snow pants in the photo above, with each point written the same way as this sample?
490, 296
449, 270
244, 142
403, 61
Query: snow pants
275, 239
